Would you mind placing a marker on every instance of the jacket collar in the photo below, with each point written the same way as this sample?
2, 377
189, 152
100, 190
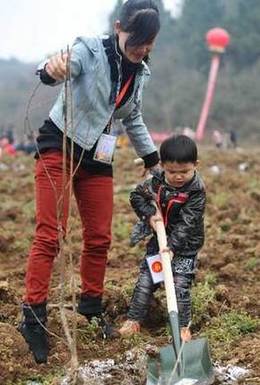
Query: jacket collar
113, 50
193, 185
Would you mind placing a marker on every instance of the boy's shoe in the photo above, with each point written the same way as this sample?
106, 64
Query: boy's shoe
32, 329
129, 328
185, 334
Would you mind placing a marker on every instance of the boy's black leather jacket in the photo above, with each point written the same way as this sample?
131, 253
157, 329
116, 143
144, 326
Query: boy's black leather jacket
183, 211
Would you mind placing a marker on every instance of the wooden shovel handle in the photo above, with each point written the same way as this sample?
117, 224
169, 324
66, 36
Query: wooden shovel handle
167, 269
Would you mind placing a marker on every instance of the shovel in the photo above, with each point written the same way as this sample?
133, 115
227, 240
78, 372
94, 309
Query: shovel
179, 363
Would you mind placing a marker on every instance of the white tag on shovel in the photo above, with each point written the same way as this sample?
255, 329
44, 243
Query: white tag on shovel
156, 268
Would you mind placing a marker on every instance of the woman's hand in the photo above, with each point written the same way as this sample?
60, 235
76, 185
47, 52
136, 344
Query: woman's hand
145, 171
148, 171
57, 66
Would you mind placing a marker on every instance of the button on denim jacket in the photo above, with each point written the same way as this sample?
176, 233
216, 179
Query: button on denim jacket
92, 107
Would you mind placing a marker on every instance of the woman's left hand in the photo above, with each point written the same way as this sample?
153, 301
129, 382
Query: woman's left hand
148, 171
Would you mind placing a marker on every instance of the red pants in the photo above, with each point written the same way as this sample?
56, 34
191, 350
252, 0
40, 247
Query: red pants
94, 195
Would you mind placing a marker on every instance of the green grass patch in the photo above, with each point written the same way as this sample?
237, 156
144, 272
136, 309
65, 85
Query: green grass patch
121, 228
45, 379
123, 196
128, 288
229, 326
221, 199
225, 226
254, 184
252, 263
203, 294
89, 332
29, 209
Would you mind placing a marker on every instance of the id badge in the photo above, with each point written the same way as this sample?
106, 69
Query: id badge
105, 148
156, 269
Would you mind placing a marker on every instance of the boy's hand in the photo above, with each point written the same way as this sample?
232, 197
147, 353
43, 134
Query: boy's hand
155, 218
167, 250
57, 66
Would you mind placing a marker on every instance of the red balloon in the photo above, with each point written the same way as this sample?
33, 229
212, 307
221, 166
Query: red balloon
218, 38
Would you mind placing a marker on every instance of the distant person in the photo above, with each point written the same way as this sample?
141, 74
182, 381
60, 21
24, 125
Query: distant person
233, 138
218, 138
10, 134
180, 195
108, 76
187, 131
7, 147
28, 147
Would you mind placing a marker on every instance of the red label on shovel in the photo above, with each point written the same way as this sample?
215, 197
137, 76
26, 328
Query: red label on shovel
157, 267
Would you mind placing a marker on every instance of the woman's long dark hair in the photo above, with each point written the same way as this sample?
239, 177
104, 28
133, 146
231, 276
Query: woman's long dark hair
141, 19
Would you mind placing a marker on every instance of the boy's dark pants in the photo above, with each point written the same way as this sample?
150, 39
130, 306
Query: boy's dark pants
183, 272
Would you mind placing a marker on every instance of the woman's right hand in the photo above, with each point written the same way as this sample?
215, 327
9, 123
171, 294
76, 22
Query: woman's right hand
57, 66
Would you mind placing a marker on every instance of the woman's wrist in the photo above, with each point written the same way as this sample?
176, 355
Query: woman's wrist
151, 160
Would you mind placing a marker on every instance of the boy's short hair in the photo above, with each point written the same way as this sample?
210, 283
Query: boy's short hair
180, 149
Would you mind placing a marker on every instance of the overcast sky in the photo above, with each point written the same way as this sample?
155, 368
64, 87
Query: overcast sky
30, 29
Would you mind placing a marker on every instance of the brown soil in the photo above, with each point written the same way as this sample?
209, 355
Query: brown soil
232, 252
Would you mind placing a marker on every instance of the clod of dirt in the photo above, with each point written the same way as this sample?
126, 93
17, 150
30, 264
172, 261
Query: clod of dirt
152, 351
255, 195
228, 271
4, 243
12, 342
54, 322
222, 294
7, 294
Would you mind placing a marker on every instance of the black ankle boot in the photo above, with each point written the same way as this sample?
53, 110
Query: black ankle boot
91, 308
35, 317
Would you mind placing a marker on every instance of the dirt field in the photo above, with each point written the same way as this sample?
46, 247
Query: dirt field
226, 294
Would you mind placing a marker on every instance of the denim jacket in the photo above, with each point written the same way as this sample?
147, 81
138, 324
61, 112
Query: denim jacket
92, 106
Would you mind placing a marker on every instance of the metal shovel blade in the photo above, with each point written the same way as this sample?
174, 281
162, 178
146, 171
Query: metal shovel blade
196, 367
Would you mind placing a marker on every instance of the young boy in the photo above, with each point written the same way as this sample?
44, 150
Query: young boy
180, 195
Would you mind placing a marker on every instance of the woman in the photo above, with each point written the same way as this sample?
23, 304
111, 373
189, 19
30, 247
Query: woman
108, 76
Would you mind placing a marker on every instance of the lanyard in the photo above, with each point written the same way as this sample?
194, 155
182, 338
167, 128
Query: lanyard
119, 100
123, 91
